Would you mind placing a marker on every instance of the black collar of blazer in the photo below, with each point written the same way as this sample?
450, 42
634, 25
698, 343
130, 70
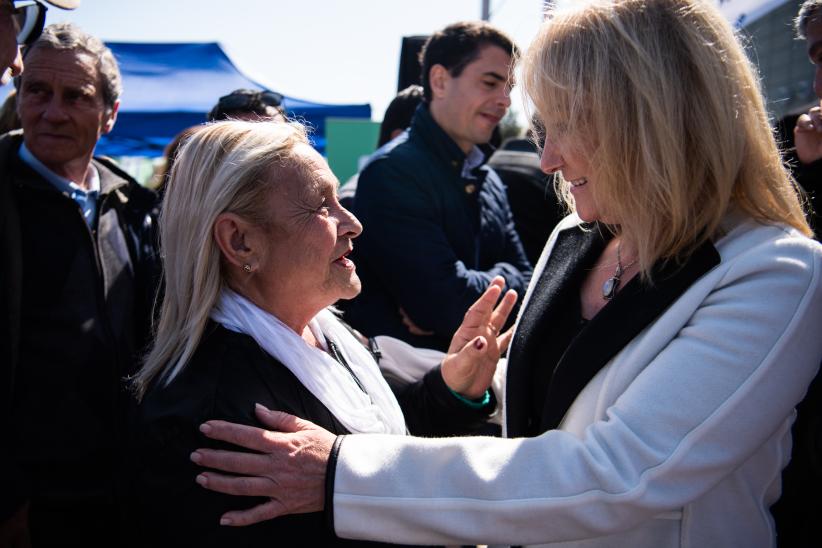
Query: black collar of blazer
607, 333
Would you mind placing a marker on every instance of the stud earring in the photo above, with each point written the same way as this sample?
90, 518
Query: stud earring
247, 268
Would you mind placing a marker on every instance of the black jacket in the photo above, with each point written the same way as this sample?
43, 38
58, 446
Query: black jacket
432, 240
74, 315
227, 375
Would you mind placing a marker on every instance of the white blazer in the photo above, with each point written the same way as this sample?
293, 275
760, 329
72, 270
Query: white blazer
677, 441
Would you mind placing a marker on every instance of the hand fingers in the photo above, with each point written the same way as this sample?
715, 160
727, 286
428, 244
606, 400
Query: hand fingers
504, 340
803, 123
482, 308
280, 421
262, 512
503, 310
249, 464
251, 486
249, 437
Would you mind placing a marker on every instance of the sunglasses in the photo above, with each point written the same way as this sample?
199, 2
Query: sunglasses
29, 17
247, 99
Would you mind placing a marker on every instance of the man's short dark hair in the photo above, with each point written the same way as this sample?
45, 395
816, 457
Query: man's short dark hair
399, 112
810, 10
457, 45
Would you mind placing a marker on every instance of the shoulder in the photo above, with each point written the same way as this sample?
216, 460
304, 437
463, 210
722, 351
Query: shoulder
748, 242
402, 155
222, 369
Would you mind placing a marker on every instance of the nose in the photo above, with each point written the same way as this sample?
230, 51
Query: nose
551, 160
54, 111
349, 226
14, 68
17, 64
504, 98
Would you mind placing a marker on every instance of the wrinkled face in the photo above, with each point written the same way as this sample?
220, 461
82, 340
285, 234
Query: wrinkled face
60, 103
304, 265
559, 155
813, 33
9, 51
472, 104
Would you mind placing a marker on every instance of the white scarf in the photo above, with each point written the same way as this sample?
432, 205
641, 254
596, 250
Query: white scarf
376, 411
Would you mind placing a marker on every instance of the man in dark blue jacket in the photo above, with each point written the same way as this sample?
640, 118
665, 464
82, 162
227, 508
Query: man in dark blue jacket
437, 225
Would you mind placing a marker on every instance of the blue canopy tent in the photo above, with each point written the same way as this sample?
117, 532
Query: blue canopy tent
169, 87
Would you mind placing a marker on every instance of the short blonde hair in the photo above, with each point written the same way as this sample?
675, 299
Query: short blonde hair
227, 166
662, 97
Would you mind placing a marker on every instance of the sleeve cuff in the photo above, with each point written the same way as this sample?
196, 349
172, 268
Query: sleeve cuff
330, 471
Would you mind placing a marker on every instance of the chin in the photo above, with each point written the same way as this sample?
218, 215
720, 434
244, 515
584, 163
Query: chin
352, 289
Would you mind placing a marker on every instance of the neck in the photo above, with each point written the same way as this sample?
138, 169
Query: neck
295, 318
75, 170
441, 118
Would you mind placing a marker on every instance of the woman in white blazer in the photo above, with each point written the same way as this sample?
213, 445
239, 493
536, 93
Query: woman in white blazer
671, 326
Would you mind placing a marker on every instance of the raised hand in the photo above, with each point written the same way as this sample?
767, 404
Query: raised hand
477, 345
807, 135
288, 468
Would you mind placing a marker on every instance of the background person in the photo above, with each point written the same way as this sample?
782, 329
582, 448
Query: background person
397, 118
437, 223
249, 104
796, 512
255, 244
806, 157
21, 23
670, 329
79, 269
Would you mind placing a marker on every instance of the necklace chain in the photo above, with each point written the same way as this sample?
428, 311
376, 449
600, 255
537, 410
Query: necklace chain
609, 288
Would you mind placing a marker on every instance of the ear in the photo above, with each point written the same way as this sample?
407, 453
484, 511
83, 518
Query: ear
232, 234
438, 79
110, 118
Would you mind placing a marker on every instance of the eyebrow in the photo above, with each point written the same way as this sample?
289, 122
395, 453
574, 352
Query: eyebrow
495, 75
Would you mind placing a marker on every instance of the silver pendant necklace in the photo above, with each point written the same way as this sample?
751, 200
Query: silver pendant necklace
609, 288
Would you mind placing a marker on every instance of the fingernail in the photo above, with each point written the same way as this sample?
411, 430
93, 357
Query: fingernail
196, 457
202, 480
225, 521
260, 407
205, 428
479, 344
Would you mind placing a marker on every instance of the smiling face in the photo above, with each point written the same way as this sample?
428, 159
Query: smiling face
468, 107
559, 155
61, 108
302, 262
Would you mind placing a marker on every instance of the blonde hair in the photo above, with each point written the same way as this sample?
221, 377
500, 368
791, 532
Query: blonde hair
223, 167
662, 98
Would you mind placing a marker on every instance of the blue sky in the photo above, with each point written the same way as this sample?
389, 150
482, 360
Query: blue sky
330, 51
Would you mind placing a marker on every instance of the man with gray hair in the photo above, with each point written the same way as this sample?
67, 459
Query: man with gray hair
79, 260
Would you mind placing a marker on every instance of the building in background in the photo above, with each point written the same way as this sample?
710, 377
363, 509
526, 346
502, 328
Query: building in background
787, 75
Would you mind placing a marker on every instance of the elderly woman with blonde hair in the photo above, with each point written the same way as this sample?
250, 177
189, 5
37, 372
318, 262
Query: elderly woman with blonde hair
255, 247
671, 326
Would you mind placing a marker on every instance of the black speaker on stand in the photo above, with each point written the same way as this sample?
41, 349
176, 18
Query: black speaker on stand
409, 61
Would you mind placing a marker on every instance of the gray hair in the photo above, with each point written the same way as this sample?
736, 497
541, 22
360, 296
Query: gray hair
67, 36
808, 11
228, 166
